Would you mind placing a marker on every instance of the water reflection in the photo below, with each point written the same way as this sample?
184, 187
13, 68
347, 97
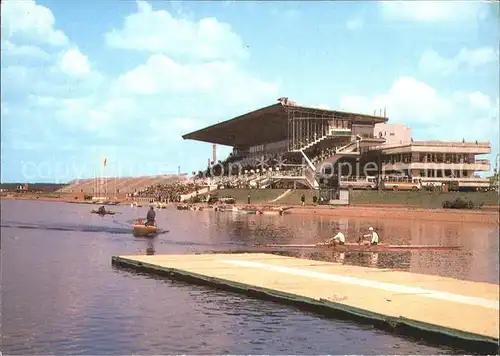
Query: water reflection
150, 249
398, 260
477, 260
60, 295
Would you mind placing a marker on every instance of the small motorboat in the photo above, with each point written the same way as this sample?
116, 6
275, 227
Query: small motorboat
142, 230
145, 231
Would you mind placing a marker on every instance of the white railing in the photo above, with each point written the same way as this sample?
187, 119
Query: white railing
309, 163
310, 175
345, 148
436, 144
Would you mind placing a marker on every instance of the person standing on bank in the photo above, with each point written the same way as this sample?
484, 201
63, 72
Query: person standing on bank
303, 199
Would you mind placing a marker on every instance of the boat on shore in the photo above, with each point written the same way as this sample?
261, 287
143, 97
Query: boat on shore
273, 210
361, 247
266, 210
189, 207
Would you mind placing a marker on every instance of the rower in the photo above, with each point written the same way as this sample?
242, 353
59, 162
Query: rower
150, 218
374, 236
101, 210
337, 239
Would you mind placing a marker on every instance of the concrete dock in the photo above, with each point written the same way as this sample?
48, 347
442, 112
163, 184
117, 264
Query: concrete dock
461, 310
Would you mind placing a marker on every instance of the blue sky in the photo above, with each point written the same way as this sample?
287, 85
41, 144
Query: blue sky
124, 80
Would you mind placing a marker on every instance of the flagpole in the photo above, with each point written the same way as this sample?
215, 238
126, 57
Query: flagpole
94, 186
99, 183
102, 175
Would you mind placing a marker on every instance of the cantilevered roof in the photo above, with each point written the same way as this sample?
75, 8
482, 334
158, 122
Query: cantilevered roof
268, 124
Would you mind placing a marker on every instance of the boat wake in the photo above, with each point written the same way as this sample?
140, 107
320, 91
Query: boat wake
75, 228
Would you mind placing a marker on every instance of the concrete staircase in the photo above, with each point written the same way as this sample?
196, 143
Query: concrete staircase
311, 144
350, 149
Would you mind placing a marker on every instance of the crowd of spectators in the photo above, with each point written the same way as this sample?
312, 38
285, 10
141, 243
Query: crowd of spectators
247, 173
249, 165
321, 155
168, 192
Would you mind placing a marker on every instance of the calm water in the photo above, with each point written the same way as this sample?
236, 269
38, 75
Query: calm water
60, 294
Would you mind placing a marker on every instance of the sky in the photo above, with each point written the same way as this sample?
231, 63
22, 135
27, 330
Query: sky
124, 80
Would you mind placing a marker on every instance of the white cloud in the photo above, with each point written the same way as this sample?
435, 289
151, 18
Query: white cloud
434, 11
155, 94
66, 101
354, 24
286, 14
11, 49
24, 24
173, 128
73, 62
30, 21
469, 116
159, 32
407, 100
480, 100
161, 74
433, 62
185, 124
477, 57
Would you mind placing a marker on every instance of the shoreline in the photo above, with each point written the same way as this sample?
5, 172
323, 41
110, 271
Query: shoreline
488, 215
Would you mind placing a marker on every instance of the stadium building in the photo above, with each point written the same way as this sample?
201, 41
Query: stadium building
288, 145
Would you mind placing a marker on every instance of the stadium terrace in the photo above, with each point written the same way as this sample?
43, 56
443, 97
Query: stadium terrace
286, 145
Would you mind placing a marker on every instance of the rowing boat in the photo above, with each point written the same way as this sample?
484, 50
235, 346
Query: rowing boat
145, 230
365, 246
103, 213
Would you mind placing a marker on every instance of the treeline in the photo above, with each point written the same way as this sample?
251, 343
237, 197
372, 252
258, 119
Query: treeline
32, 187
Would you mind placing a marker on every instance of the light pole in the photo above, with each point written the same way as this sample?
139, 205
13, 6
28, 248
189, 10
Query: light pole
379, 165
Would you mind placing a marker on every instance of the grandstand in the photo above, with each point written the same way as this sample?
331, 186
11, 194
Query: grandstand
286, 145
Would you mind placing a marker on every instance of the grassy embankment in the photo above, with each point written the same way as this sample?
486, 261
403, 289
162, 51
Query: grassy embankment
430, 200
